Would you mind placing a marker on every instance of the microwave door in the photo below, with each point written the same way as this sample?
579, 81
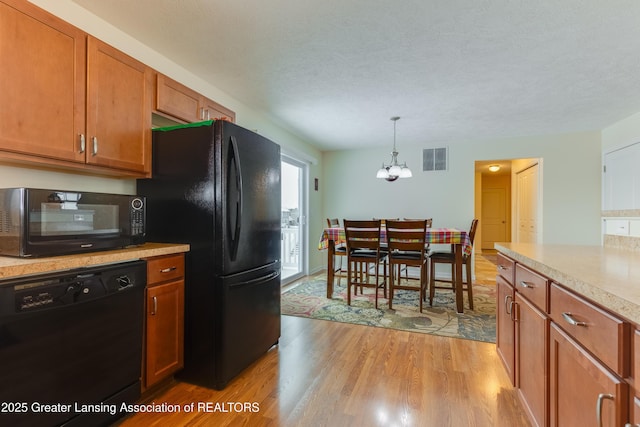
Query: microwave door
52, 222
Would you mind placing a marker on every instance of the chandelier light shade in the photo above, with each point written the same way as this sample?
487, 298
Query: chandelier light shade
394, 170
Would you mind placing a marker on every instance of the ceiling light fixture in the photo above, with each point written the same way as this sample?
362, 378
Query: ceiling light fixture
494, 168
393, 170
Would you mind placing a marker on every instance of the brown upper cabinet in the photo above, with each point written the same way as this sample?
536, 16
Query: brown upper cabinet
119, 99
42, 89
69, 100
178, 101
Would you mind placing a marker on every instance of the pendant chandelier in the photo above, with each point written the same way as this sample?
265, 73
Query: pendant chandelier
393, 170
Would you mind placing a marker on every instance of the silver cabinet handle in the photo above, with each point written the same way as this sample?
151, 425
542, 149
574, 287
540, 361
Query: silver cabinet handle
568, 317
155, 306
83, 144
94, 141
208, 115
507, 306
601, 397
168, 269
201, 113
502, 267
526, 284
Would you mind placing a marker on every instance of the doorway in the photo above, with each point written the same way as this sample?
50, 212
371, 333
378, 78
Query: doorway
294, 215
493, 203
507, 201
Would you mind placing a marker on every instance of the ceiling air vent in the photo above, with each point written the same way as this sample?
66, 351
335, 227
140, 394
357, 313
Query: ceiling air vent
435, 159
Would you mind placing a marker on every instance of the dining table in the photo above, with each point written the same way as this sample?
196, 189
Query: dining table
459, 239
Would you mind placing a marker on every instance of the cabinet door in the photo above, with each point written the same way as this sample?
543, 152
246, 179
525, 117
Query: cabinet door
42, 83
582, 390
118, 109
622, 178
532, 327
212, 110
177, 100
165, 331
505, 334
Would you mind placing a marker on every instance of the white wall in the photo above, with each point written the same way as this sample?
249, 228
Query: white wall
571, 184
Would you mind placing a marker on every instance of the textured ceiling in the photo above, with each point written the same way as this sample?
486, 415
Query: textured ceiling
334, 71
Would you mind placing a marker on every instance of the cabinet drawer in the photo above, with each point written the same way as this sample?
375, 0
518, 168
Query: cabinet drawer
601, 333
506, 268
532, 285
617, 227
163, 268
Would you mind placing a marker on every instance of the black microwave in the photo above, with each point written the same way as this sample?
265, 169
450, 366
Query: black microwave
38, 222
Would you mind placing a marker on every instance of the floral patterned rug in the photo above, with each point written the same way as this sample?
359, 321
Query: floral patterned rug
308, 299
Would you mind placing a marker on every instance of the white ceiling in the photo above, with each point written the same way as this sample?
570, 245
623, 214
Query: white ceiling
335, 71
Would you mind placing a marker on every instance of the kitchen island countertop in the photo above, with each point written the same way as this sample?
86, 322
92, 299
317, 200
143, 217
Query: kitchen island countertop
15, 267
609, 277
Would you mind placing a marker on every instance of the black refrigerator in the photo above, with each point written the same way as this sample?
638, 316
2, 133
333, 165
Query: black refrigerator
216, 186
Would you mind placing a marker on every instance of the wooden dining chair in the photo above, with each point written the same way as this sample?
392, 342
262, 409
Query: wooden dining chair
427, 246
449, 258
340, 253
406, 244
383, 244
363, 247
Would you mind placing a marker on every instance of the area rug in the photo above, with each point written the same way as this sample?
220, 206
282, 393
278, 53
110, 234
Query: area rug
308, 299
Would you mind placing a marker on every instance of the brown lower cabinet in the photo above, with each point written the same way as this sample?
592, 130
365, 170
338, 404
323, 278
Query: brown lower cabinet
506, 338
531, 358
164, 337
583, 391
568, 357
635, 404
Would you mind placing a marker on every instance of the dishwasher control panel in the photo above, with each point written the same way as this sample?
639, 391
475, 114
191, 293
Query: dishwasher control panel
70, 287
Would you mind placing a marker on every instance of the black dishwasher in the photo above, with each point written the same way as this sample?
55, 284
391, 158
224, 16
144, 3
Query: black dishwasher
71, 345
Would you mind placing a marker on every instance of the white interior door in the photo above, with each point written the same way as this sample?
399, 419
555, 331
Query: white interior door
527, 205
294, 215
494, 217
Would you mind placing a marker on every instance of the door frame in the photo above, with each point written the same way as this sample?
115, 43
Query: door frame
303, 198
514, 166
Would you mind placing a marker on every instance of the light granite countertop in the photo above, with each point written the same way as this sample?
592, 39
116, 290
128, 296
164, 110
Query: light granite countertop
607, 276
14, 267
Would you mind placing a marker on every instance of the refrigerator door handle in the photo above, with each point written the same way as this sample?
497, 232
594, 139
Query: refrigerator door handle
258, 280
235, 241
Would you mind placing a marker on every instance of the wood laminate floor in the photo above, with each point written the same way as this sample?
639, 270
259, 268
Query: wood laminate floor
325, 373
335, 374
